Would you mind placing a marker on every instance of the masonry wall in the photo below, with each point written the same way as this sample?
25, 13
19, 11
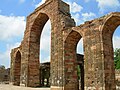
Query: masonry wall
97, 43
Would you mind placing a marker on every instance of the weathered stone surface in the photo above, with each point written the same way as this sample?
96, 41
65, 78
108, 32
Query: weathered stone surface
97, 42
4, 74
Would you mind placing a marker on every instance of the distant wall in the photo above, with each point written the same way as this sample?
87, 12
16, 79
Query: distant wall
4, 75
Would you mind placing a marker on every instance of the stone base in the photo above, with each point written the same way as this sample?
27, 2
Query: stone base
94, 88
56, 88
62, 88
23, 85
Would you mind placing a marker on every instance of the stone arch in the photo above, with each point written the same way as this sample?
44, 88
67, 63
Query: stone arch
58, 13
17, 68
71, 60
35, 36
111, 22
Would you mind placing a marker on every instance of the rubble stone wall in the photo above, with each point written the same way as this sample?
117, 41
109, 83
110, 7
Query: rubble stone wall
97, 42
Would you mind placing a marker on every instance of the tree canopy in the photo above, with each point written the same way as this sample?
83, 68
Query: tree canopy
2, 67
117, 58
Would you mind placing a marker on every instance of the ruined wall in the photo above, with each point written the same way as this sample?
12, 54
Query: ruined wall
97, 42
60, 18
98, 51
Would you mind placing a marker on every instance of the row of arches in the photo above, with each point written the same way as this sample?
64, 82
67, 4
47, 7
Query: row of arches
70, 47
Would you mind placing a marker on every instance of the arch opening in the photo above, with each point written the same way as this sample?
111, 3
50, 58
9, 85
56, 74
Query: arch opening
45, 43
17, 68
116, 46
74, 63
108, 30
80, 60
35, 50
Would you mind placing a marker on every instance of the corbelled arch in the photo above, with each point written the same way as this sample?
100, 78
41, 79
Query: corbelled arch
111, 22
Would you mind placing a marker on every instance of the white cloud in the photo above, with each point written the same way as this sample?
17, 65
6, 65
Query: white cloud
116, 41
81, 18
76, 18
21, 1
74, 7
43, 1
11, 26
108, 5
5, 56
88, 16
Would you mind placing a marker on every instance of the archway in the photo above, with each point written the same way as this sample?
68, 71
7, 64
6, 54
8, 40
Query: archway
60, 20
116, 46
110, 25
45, 42
35, 40
72, 60
80, 60
17, 68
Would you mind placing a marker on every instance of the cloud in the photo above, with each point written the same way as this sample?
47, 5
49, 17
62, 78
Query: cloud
81, 18
74, 7
5, 56
37, 5
21, 1
105, 5
77, 18
78, 15
116, 42
11, 26
88, 16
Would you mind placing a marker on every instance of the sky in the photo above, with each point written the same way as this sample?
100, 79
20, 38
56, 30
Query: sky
13, 15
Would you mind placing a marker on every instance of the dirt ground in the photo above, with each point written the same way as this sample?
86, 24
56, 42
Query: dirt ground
11, 87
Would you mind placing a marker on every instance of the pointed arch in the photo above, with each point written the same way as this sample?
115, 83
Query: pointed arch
111, 22
17, 68
72, 59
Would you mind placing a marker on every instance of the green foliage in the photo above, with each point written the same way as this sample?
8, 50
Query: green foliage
117, 58
2, 67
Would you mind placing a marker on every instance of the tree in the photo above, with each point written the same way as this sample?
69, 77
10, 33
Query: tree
117, 58
2, 67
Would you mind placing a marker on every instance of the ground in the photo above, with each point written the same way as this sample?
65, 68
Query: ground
11, 87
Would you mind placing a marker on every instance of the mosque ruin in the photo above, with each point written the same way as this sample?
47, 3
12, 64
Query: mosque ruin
97, 65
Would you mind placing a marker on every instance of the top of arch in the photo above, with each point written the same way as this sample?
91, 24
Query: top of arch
59, 4
98, 20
